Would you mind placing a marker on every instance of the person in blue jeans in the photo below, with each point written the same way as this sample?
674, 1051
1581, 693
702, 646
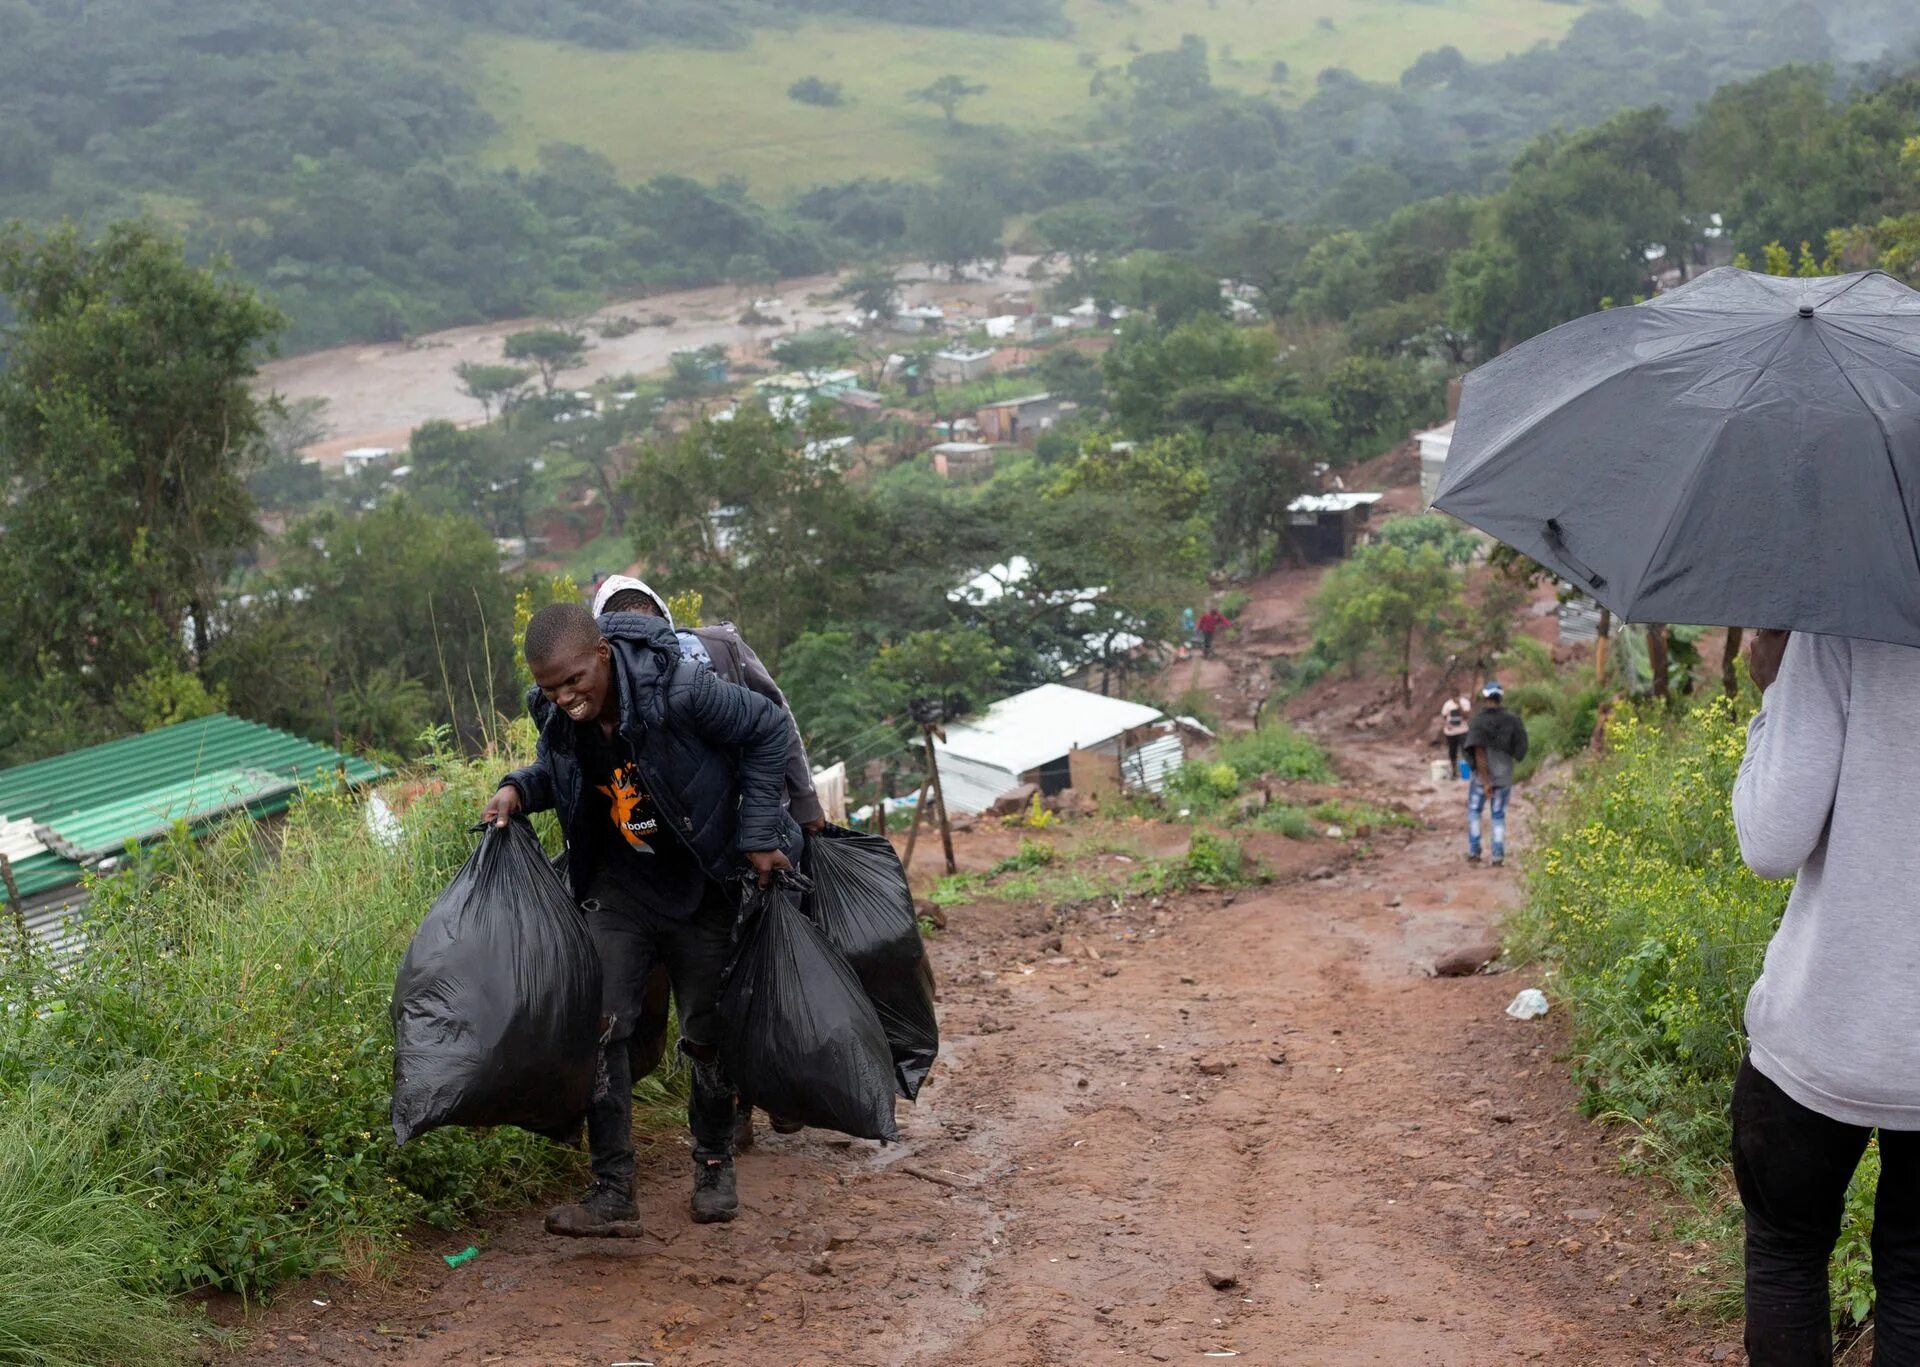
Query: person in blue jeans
1496, 741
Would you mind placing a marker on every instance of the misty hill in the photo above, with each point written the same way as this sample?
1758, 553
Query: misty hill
385, 166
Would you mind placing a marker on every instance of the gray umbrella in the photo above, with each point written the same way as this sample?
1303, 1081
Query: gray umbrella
1743, 451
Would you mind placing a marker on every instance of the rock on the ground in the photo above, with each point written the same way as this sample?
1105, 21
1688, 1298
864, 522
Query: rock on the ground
1014, 800
1465, 960
1221, 1281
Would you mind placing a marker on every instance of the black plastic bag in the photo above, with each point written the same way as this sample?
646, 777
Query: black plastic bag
861, 900
496, 1008
797, 1034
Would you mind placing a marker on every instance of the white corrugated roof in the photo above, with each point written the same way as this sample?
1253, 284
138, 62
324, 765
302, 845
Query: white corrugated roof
1332, 503
17, 840
1042, 724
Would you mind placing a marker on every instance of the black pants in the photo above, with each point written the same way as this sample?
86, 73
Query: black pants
1793, 1165
632, 940
1453, 754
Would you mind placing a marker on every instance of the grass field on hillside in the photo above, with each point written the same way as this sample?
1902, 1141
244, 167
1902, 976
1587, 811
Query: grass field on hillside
706, 114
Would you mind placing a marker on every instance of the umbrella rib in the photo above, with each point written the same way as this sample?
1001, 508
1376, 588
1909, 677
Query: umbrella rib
1886, 445
1849, 285
1700, 463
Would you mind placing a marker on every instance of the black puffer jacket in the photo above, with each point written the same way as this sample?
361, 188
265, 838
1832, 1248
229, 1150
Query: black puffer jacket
712, 754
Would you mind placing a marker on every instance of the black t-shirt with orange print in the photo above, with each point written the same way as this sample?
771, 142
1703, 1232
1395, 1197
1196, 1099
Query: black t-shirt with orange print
654, 864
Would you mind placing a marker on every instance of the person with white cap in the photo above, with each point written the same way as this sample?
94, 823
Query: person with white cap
721, 649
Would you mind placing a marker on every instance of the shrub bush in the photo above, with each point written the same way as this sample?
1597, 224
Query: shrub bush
1276, 749
1638, 896
235, 994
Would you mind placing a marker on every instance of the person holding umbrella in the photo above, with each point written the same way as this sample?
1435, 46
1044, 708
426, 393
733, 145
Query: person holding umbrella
1826, 793
1745, 451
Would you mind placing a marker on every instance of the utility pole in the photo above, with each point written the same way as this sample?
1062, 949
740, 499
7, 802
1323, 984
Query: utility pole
877, 779
929, 713
913, 831
939, 801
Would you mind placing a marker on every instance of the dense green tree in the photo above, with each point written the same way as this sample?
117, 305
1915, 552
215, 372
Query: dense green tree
1781, 161
1177, 78
549, 350
827, 675
958, 668
1148, 371
1586, 215
375, 625
1252, 477
954, 227
873, 288
1383, 602
757, 514
1373, 402
1119, 544
946, 93
1082, 232
488, 384
1174, 288
1073, 375
127, 429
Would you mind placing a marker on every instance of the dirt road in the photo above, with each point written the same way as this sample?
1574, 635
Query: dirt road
377, 394
1372, 1165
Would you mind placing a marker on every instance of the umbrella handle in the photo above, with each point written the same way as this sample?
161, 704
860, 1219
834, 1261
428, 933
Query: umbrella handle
1557, 538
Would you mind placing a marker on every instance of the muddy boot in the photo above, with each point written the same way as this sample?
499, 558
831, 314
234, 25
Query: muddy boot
716, 1197
605, 1212
779, 1124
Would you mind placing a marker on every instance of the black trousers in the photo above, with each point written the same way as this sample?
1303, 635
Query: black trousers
1793, 1165
632, 940
1453, 752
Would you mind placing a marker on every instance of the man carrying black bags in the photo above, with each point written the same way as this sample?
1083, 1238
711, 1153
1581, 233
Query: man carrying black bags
668, 782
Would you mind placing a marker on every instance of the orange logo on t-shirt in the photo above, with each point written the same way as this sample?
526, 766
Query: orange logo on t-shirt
630, 807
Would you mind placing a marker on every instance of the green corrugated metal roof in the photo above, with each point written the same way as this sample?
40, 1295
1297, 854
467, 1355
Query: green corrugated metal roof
44, 872
92, 802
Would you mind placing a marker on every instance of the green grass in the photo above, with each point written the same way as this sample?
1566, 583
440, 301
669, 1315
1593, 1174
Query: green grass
231, 1028
1349, 815
73, 1229
1038, 873
713, 113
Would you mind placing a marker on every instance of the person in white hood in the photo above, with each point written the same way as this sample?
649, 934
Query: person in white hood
721, 648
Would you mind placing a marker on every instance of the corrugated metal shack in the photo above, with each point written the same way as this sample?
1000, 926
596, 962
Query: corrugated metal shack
1035, 737
1325, 527
64, 817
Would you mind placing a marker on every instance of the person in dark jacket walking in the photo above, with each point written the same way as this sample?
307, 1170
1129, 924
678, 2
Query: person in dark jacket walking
668, 783
1496, 741
722, 649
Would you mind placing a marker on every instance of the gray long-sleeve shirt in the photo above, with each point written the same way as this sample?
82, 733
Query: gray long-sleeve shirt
1829, 789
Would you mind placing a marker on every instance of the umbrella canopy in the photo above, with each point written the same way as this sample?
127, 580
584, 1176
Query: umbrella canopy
1742, 451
